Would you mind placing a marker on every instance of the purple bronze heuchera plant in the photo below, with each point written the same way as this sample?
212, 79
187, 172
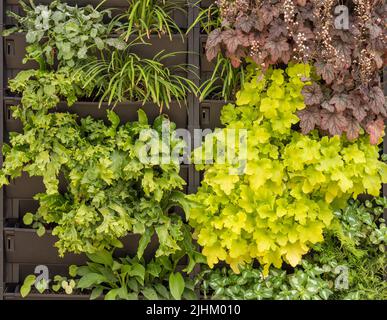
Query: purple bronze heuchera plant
345, 40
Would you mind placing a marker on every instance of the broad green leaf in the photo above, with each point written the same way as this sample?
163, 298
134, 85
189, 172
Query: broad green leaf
137, 270
103, 257
176, 285
89, 280
96, 293
28, 218
150, 293
25, 289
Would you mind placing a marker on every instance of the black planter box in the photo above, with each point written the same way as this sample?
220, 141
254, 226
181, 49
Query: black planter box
23, 245
127, 111
205, 65
13, 293
15, 51
18, 195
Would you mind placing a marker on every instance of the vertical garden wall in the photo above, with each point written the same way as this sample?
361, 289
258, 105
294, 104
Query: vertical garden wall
79, 173
22, 248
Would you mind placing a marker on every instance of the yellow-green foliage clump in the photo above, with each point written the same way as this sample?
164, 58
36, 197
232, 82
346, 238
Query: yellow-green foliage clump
291, 183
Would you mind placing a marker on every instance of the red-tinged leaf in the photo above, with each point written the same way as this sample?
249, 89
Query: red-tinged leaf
312, 94
212, 52
344, 54
354, 30
344, 35
307, 32
267, 13
375, 31
244, 23
359, 113
357, 106
327, 106
277, 48
286, 56
326, 71
235, 61
340, 101
231, 40
277, 29
335, 123
376, 130
243, 38
259, 24
309, 117
377, 102
214, 38
378, 59
353, 129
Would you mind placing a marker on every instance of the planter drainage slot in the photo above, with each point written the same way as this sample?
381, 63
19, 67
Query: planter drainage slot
10, 243
205, 116
10, 47
8, 111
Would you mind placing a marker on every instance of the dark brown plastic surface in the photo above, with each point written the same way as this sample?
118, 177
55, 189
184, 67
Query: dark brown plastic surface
23, 246
12, 292
127, 111
15, 50
2, 86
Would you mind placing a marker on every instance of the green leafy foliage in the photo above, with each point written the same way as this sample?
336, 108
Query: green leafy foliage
146, 17
78, 44
117, 180
125, 278
224, 82
29, 281
110, 192
61, 33
43, 90
176, 285
357, 243
280, 205
123, 76
349, 264
348, 53
250, 284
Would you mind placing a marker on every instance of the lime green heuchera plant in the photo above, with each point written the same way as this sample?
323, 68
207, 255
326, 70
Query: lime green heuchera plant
291, 183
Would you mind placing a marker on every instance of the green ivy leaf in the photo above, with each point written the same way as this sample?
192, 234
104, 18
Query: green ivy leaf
41, 230
28, 218
26, 287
